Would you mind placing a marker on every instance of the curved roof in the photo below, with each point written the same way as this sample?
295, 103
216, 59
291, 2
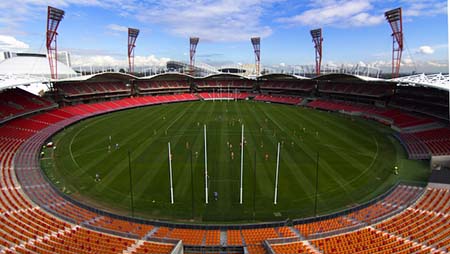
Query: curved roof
32, 65
100, 76
438, 80
345, 77
272, 76
168, 75
225, 75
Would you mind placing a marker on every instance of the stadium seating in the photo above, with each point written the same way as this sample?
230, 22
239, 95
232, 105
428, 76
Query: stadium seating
358, 89
49, 223
287, 86
398, 118
422, 144
16, 102
91, 88
296, 247
279, 99
162, 86
224, 84
234, 96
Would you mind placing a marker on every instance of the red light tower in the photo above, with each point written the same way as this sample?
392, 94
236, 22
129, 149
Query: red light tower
317, 39
394, 17
256, 41
132, 36
193, 42
54, 16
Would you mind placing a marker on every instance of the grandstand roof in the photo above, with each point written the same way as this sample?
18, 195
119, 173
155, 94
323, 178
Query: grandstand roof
346, 77
168, 75
281, 76
225, 75
439, 80
28, 69
32, 65
101, 76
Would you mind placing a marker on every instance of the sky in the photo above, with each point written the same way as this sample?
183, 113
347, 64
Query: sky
354, 31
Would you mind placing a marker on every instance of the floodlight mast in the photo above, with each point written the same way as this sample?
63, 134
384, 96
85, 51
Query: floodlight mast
317, 39
132, 36
54, 17
394, 17
193, 42
256, 41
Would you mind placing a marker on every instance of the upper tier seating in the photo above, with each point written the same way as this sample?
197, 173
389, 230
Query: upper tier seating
15, 102
225, 84
287, 85
91, 88
164, 85
219, 95
279, 99
358, 89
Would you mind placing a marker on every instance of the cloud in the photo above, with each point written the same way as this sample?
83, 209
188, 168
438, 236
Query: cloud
438, 64
222, 20
359, 13
424, 8
117, 28
107, 60
337, 13
11, 43
426, 50
409, 65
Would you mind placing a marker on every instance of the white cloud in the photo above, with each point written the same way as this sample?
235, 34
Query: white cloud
11, 43
111, 61
223, 20
407, 62
337, 13
117, 28
425, 49
438, 64
424, 8
357, 13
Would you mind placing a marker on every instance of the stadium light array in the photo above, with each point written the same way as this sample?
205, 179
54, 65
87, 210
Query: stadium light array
256, 42
317, 39
193, 42
132, 36
394, 17
54, 17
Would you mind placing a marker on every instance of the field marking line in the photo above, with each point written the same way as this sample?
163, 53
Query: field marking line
346, 183
346, 150
181, 115
76, 134
362, 173
70, 147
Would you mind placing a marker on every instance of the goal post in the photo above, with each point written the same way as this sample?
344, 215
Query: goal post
242, 164
276, 175
170, 174
206, 165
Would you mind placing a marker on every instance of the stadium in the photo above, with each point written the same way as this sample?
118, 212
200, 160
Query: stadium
238, 159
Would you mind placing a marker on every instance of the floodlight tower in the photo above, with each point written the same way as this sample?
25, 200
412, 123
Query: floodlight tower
317, 39
256, 41
394, 17
54, 16
193, 41
132, 36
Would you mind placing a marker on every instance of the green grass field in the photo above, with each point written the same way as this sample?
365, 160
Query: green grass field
356, 161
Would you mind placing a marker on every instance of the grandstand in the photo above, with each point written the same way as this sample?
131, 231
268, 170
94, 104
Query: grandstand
39, 217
